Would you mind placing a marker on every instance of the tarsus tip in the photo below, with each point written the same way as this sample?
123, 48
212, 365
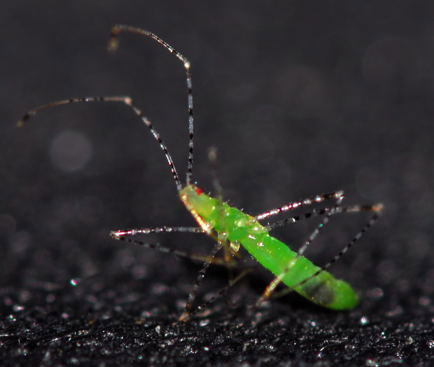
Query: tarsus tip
184, 317
113, 44
378, 207
113, 234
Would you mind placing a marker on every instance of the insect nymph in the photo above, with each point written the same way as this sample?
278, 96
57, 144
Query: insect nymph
232, 228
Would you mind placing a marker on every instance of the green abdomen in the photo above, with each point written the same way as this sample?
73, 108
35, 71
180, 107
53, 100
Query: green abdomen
324, 289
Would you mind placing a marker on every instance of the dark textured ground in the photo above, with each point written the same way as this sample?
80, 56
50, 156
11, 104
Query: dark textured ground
300, 97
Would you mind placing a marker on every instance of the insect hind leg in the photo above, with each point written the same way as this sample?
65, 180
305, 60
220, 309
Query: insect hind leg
338, 196
185, 316
228, 261
223, 291
377, 209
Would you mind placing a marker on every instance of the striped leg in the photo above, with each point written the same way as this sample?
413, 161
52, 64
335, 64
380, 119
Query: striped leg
223, 291
321, 212
317, 199
211, 259
339, 196
163, 229
377, 209
185, 316
125, 235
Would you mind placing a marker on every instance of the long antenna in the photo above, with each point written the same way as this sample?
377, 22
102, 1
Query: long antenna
113, 45
121, 99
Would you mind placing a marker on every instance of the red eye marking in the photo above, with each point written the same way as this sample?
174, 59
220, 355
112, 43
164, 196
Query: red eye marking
198, 191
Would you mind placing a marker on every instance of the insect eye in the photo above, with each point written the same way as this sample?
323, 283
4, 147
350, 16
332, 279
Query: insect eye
198, 191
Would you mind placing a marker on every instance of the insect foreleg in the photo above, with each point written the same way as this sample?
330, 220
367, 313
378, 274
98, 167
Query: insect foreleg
163, 229
167, 250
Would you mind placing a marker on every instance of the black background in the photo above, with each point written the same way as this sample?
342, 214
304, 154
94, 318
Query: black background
300, 97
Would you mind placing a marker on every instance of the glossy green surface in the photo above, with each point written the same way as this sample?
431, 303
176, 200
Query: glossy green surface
274, 255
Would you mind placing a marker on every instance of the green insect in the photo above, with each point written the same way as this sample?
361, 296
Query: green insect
232, 228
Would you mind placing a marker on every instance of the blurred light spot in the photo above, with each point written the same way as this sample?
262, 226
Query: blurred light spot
18, 308
389, 58
364, 320
424, 301
70, 151
375, 293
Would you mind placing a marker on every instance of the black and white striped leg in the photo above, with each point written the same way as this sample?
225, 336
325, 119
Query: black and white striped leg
185, 316
125, 235
323, 211
319, 227
278, 279
163, 229
223, 291
317, 199
377, 209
